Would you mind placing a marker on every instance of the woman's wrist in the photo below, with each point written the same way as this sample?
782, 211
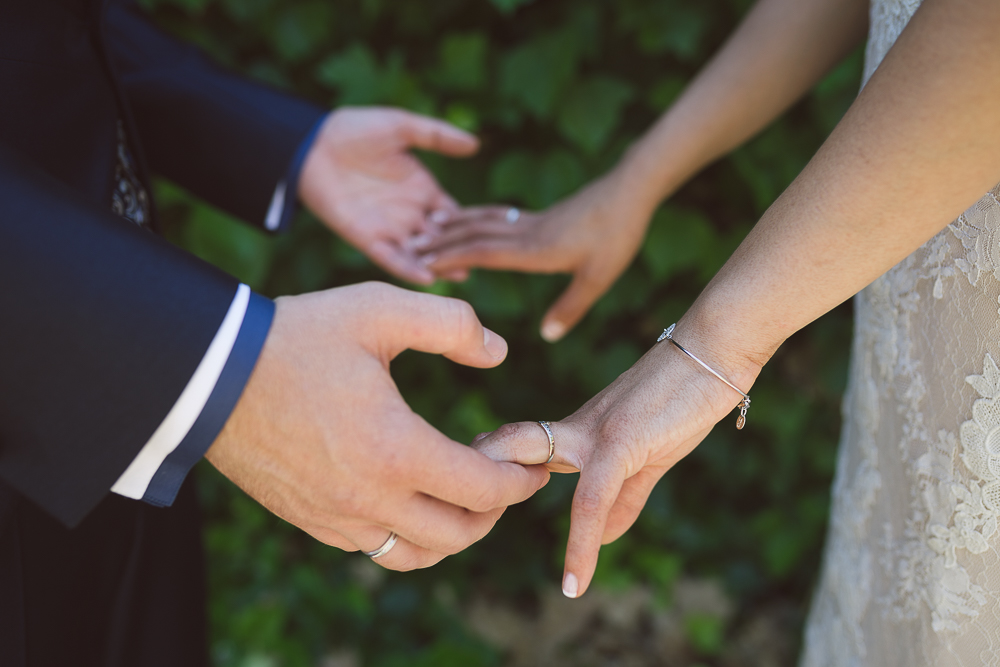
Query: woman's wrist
646, 175
728, 345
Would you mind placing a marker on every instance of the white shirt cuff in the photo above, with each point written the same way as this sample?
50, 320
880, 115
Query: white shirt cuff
182, 416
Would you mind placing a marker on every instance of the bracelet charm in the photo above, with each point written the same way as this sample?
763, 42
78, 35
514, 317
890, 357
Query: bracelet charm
743, 405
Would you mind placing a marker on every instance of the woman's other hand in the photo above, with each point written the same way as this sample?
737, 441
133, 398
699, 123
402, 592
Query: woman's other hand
592, 235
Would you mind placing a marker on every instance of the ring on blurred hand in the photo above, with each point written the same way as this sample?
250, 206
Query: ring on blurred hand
552, 439
513, 215
384, 549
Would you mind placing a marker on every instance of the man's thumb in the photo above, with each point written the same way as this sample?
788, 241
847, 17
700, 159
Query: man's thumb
570, 307
438, 325
431, 134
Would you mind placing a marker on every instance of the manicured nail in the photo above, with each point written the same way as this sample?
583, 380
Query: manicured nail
428, 259
439, 217
570, 585
494, 344
553, 331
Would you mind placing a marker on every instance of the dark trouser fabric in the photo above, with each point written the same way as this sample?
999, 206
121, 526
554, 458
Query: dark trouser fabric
125, 588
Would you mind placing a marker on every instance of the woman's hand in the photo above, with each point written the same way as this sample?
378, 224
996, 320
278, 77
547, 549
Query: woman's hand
625, 438
593, 235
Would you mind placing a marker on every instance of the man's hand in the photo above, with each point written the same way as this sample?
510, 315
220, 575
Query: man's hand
322, 438
361, 180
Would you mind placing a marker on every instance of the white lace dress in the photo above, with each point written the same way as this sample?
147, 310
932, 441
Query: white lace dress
911, 572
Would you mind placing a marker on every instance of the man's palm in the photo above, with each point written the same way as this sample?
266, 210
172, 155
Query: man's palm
362, 181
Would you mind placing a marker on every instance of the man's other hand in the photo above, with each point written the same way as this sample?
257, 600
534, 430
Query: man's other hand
361, 180
322, 437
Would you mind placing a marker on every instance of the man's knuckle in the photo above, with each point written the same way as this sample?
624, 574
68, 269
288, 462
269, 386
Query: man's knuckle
394, 467
460, 319
455, 544
488, 498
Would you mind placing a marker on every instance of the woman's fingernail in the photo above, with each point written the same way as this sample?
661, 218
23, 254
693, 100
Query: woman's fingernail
570, 585
439, 217
421, 241
428, 259
494, 344
553, 331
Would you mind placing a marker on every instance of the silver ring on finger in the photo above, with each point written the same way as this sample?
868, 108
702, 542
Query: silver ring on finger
552, 439
513, 215
390, 542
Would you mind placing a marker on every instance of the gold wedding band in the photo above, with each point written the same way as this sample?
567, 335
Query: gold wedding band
390, 542
552, 439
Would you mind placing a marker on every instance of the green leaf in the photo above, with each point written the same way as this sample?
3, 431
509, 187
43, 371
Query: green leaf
496, 295
472, 415
508, 6
269, 73
663, 93
536, 74
838, 90
512, 177
559, 174
450, 653
591, 111
461, 115
401, 88
300, 29
678, 240
677, 29
229, 244
354, 72
245, 10
770, 162
519, 177
462, 62
705, 632
662, 568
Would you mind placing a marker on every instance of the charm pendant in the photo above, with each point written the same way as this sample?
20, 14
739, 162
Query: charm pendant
741, 420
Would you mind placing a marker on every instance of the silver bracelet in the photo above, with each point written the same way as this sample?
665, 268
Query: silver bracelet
744, 405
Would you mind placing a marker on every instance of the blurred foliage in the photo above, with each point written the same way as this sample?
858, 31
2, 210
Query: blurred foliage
556, 89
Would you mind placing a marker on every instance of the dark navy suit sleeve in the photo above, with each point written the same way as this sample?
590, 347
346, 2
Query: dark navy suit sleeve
226, 139
102, 328
282, 208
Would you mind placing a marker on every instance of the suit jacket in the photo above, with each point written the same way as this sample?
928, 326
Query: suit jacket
103, 325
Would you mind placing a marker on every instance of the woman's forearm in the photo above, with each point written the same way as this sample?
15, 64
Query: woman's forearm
919, 145
782, 48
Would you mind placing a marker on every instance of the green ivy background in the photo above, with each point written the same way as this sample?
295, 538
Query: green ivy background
556, 89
